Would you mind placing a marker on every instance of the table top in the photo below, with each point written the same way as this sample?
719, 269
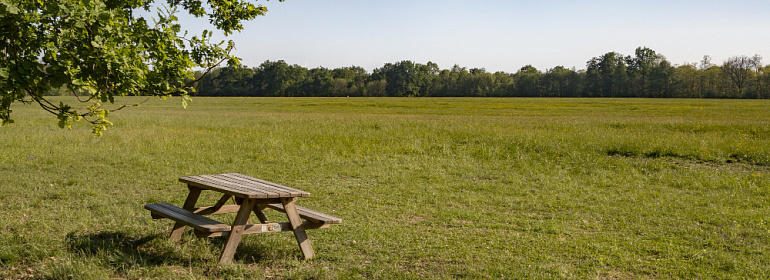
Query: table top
242, 186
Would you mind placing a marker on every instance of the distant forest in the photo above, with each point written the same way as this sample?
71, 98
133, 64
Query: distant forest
644, 74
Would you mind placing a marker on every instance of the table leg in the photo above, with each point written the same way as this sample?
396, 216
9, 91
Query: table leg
189, 204
239, 201
296, 226
247, 205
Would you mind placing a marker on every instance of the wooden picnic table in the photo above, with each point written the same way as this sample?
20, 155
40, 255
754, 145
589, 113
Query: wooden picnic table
248, 195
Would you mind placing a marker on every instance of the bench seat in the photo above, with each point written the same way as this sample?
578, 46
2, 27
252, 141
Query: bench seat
308, 214
198, 222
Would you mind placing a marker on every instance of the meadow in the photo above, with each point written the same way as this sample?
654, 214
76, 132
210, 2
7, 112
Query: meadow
428, 188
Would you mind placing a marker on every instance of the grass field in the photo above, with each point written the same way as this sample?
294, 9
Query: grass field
427, 188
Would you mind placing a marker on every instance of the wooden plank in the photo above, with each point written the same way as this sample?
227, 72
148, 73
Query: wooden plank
195, 181
209, 185
279, 227
296, 225
189, 204
258, 228
211, 210
242, 186
237, 231
204, 181
186, 217
251, 184
262, 184
266, 184
309, 214
248, 188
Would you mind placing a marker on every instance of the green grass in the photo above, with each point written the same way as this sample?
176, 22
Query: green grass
427, 188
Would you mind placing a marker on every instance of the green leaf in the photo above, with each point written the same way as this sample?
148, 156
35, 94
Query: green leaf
8, 7
185, 99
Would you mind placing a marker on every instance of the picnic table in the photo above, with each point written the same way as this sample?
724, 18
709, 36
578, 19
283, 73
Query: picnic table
248, 195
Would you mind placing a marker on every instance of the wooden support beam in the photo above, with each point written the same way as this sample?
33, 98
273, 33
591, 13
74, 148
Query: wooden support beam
260, 215
223, 200
189, 204
237, 231
211, 210
296, 226
263, 228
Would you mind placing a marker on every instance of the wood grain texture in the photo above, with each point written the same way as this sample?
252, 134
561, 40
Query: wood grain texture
309, 214
243, 186
296, 225
211, 210
264, 228
198, 222
189, 204
237, 230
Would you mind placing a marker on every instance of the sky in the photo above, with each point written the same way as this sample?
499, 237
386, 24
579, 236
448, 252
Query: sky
497, 35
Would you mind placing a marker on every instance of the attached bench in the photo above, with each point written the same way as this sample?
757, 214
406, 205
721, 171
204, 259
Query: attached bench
198, 222
309, 214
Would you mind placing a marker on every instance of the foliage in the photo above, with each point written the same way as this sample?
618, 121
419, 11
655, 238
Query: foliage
100, 49
232, 81
645, 74
276, 78
740, 68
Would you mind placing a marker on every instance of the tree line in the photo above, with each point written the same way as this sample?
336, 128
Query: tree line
646, 73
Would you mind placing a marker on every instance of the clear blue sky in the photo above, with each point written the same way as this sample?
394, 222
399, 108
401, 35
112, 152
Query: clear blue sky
498, 35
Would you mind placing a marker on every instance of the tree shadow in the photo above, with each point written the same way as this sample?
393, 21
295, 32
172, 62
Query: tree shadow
120, 248
123, 251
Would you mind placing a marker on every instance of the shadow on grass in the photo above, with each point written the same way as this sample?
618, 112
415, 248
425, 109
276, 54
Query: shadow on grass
254, 252
118, 247
122, 250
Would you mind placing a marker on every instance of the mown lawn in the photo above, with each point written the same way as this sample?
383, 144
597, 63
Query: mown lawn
427, 188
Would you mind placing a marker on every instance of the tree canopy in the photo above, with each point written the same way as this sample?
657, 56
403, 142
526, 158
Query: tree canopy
100, 49
646, 73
